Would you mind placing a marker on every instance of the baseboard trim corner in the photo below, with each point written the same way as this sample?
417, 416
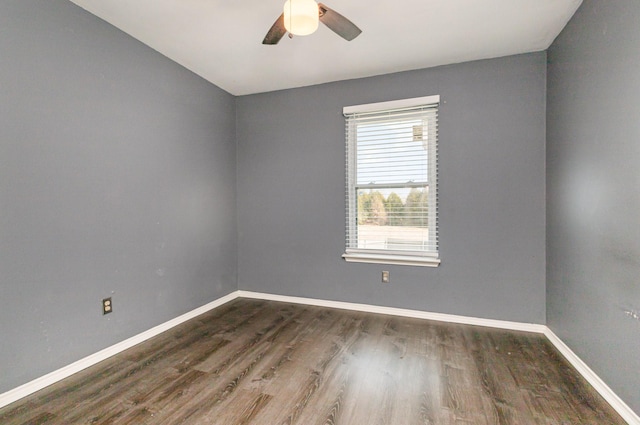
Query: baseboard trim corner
75, 367
596, 382
393, 311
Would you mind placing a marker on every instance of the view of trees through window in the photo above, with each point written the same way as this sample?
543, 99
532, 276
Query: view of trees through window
376, 209
393, 219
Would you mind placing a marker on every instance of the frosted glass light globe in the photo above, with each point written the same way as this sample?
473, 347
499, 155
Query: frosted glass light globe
301, 16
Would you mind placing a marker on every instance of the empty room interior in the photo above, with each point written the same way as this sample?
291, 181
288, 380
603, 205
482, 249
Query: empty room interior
182, 225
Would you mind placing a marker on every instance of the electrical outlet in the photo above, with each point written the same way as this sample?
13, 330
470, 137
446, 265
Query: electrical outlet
385, 276
107, 306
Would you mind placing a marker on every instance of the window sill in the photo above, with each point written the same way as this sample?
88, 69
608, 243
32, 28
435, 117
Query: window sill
402, 260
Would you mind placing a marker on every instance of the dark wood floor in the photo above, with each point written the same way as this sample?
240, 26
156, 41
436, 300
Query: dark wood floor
257, 362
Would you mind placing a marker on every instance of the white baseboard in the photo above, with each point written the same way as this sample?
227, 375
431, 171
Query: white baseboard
392, 311
64, 372
607, 393
37, 384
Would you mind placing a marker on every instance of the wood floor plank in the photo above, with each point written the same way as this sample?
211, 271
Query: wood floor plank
231, 373
255, 362
311, 369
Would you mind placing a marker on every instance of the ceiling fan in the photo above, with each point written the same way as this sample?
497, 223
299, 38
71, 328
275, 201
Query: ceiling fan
300, 17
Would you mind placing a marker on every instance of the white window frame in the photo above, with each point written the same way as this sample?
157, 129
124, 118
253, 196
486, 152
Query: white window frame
413, 258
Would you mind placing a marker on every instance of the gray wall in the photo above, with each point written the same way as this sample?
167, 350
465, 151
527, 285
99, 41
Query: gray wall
291, 196
117, 178
593, 197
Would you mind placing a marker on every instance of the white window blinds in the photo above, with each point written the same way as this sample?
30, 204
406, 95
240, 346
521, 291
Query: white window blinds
392, 182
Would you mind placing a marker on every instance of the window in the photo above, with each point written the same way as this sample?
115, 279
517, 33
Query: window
392, 202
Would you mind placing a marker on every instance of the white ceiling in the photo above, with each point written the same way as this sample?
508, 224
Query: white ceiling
222, 40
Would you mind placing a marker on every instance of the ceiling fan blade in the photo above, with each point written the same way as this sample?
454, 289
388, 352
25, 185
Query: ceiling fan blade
338, 23
276, 32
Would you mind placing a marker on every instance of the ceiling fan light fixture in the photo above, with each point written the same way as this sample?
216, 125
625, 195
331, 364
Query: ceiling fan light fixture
301, 16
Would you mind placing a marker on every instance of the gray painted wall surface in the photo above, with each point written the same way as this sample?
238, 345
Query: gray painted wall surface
593, 158
291, 197
117, 178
